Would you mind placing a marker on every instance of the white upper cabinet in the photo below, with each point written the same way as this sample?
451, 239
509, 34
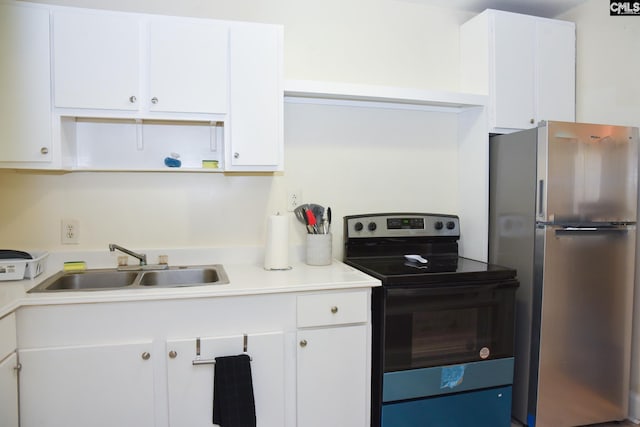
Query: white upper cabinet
25, 88
256, 98
96, 60
188, 65
119, 61
525, 64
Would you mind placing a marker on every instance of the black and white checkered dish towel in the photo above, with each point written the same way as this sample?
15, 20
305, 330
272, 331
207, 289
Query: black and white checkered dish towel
233, 401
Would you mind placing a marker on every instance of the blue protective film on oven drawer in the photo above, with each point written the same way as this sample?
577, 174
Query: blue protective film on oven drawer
484, 408
424, 382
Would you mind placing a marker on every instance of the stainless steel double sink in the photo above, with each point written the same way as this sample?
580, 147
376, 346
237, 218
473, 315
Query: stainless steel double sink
113, 279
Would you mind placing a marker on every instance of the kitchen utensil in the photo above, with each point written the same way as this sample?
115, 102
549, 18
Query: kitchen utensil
300, 213
318, 211
312, 221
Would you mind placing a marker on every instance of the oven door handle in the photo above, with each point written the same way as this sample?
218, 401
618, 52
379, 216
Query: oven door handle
439, 291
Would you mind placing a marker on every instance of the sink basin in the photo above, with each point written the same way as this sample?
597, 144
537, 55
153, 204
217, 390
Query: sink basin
87, 280
180, 277
112, 279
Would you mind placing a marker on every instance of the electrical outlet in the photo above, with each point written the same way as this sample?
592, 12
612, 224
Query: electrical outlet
69, 232
294, 199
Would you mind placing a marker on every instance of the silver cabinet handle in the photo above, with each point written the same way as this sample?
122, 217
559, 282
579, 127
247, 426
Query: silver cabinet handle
18, 367
44, 150
532, 121
146, 355
303, 343
132, 99
173, 354
154, 100
236, 155
334, 309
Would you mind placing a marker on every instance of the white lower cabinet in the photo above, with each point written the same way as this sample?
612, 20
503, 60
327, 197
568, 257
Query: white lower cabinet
9, 391
332, 377
190, 386
9, 369
131, 363
334, 369
101, 385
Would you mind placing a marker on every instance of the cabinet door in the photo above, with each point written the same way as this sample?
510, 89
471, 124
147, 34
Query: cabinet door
256, 97
188, 68
25, 84
332, 377
96, 60
9, 392
555, 70
190, 387
107, 385
513, 79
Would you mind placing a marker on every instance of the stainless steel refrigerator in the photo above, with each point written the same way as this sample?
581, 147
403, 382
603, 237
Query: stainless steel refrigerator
563, 203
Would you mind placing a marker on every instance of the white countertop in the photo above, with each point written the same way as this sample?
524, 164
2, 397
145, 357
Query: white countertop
244, 267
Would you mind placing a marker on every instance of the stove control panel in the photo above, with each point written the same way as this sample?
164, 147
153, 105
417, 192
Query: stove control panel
401, 225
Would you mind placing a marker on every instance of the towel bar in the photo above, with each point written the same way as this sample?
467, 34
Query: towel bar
198, 361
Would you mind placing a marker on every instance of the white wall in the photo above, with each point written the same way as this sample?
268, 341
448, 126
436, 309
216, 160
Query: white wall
356, 160
608, 91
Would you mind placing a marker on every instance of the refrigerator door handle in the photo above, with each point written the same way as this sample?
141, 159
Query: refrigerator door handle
541, 199
590, 231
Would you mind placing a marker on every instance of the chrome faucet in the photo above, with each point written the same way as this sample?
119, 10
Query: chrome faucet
141, 257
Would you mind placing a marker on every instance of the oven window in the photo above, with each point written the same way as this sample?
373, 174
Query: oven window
425, 328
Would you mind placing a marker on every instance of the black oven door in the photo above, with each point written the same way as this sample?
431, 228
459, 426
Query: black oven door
446, 325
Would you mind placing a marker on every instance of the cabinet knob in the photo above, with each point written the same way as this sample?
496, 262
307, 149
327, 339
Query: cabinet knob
44, 150
236, 155
154, 100
173, 354
532, 121
146, 356
334, 309
132, 99
303, 343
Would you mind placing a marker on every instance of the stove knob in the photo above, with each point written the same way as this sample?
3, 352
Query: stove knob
451, 225
358, 226
372, 226
438, 225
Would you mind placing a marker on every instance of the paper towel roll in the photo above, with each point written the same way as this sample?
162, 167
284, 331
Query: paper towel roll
276, 251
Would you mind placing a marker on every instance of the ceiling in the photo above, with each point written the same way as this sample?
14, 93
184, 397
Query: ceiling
544, 8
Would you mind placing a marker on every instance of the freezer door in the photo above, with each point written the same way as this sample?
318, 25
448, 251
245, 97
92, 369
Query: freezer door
587, 173
585, 325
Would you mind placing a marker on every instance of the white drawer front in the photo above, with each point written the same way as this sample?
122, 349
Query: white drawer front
332, 309
7, 335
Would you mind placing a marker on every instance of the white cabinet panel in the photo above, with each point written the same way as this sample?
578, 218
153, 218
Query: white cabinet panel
7, 335
9, 391
332, 309
139, 63
514, 40
525, 64
25, 85
556, 44
96, 60
190, 388
332, 377
102, 385
188, 65
256, 101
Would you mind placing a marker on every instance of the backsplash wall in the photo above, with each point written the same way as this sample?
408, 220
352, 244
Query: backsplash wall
354, 159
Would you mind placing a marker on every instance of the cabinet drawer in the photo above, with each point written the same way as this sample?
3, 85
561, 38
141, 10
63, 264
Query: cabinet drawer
332, 309
7, 335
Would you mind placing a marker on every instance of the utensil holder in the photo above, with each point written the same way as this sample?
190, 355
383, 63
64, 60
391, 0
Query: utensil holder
319, 251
